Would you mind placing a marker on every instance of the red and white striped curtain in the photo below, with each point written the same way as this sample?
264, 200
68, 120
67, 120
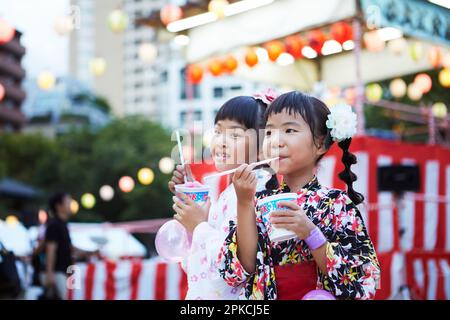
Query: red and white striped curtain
419, 259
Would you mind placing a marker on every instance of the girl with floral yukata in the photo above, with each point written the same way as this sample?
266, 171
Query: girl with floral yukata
332, 250
235, 141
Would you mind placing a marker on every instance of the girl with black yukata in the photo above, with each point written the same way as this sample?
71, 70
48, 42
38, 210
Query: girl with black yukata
332, 250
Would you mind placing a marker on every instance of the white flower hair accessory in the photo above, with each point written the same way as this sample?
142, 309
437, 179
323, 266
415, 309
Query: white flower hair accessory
342, 122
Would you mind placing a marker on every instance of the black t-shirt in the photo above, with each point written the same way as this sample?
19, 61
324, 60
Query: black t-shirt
57, 231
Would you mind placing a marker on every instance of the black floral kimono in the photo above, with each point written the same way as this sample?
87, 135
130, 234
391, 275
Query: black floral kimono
353, 271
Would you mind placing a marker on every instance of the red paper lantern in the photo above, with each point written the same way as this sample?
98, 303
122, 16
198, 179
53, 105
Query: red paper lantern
251, 58
194, 74
6, 32
274, 49
435, 56
294, 46
316, 40
424, 82
2, 92
215, 67
170, 13
230, 64
341, 32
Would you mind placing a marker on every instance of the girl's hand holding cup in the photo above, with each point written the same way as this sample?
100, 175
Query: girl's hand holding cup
292, 218
178, 176
190, 213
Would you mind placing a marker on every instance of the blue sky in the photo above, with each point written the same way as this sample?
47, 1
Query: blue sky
46, 50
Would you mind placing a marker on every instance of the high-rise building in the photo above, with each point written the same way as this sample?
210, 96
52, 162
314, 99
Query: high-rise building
11, 76
127, 82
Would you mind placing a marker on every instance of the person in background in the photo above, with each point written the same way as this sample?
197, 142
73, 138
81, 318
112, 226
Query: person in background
59, 251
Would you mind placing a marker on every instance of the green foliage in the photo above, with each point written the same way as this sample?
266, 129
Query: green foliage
82, 161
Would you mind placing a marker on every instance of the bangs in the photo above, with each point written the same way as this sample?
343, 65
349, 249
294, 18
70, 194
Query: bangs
242, 109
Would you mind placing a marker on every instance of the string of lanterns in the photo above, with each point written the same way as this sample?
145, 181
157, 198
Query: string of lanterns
126, 184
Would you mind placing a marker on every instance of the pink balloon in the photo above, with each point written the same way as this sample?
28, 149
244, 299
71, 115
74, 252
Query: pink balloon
172, 241
318, 295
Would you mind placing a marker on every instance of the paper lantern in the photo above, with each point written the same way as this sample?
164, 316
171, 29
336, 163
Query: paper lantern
170, 13
435, 56
97, 66
446, 60
46, 80
274, 49
251, 58
117, 21
414, 92
218, 7
126, 184
166, 165
374, 92
63, 25
2, 92
397, 87
373, 41
316, 40
294, 46
424, 82
74, 206
6, 31
444, 77
194, 74
88, 200
416, 51
148, 52
106, 193
341, 32
230, 64
397, 46
146, 176
215, 67
439, 110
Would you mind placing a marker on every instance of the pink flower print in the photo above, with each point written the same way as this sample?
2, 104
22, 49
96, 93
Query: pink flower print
203, 275
194, 278
234, 290
203, 260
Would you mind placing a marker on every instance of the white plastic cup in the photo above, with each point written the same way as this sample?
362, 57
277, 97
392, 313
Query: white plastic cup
266, 206
198, 194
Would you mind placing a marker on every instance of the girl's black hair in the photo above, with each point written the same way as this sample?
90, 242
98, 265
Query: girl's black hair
315, 113
246, 110
249, 112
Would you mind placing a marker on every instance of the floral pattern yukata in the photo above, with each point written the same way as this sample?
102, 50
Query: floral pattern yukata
204, 282
353, 270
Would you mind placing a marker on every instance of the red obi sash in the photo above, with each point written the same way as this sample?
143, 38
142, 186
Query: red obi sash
295, 280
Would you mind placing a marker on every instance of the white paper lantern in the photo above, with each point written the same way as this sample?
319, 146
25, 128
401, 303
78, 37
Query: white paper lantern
397, 46
63, 25
218, 7
148, 52
397, 88
414, 92
166, 165
106, 193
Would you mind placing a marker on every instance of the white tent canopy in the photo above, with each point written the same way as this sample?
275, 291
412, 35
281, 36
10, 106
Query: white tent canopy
279, 19
15, 238
113, 242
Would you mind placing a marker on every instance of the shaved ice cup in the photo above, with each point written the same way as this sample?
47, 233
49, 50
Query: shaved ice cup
194, 190
266, 206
